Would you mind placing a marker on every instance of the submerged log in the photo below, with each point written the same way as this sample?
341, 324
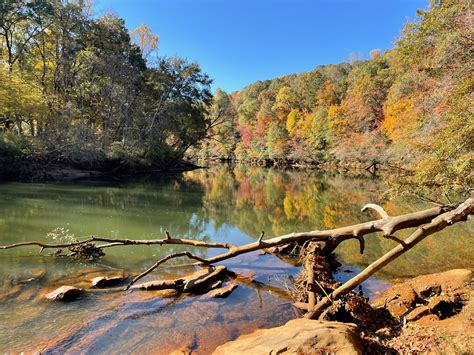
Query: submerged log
428, 222
222, 292
198, 282
202, 280
160, 285
106, 281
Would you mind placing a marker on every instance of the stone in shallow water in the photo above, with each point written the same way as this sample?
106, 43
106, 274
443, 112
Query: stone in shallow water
106, 281
222, 292
298, 336
159, 285
196, 283
64, 293
201, 281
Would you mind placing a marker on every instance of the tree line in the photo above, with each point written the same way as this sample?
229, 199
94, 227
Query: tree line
410, 106
80, 89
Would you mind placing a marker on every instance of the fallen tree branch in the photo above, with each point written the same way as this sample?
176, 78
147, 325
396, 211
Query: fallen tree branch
428, 222
332, 237
44, 245
440, 222
122, 242
310, 282
377, 208
161, 261
335, 236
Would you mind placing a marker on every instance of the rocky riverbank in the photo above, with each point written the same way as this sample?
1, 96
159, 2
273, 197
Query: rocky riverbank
430, 313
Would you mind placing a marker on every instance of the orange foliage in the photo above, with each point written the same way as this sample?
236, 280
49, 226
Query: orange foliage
400, 119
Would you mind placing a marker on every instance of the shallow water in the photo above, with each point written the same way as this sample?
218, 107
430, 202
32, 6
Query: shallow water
220, 204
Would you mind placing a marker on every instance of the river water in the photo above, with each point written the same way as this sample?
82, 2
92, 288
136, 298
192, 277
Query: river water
231, 204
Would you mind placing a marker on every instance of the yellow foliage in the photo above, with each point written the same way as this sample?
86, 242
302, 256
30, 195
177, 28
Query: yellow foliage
337, 115
20, 97
288, 207
292, 122
400, 119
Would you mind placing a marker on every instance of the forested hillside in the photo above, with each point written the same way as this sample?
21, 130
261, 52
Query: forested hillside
80, 89
410, 106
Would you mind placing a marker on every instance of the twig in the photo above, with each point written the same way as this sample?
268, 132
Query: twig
44, 245
122, 242
161, 261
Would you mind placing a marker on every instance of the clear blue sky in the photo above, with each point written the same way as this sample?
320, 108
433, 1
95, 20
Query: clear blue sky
240, 41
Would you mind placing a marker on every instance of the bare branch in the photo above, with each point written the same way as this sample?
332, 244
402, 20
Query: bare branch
438, 223
161, 261
44, 245
332, 237
377, 208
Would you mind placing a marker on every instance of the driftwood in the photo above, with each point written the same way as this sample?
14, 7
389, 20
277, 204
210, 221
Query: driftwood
427, 221
444, 220
332, 237
198, 282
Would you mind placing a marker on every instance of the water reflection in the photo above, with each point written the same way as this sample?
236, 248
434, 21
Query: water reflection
232, 204
278, 202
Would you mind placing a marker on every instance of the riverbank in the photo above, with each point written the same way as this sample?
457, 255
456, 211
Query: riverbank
430, 313
374, 167
57, 172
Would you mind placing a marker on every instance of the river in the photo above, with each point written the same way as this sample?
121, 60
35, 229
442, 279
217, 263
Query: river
223, 203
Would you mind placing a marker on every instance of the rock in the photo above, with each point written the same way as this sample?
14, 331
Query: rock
201, 280
434, 284
298, 336
443, 306
441, 322
429, 291
30, 276
427, 320
398, 299
222, 292
403, 297
64, 293
159, 285
106, 281
417, 313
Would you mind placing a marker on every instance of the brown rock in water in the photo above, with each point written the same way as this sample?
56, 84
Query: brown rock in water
222, 292
202, 280
64, 293
106, 281
159, 285
197, 283
298, 336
